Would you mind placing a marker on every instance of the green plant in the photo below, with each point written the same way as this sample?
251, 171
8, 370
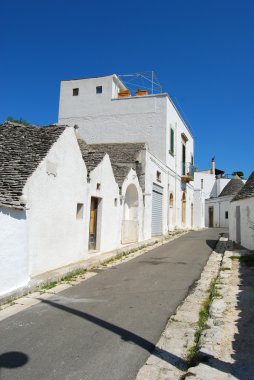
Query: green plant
49, 285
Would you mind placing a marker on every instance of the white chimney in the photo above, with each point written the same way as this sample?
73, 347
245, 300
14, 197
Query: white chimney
213, 165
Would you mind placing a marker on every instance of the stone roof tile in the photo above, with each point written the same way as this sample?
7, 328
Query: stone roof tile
232, 187
22, 148
247, 191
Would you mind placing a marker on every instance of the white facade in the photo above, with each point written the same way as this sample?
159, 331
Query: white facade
14, 250
56, 235
221, 207
207, 189
104, 118
241, 222
102, 185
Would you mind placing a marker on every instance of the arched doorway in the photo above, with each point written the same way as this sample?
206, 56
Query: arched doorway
130, 215
183, 209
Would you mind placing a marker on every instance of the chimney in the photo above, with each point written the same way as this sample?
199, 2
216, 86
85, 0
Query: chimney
213, 165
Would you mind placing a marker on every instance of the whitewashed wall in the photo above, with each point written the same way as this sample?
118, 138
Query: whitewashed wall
132, 180
103, 118
109, 214
14, 250
221, 205
246, 222
56, 236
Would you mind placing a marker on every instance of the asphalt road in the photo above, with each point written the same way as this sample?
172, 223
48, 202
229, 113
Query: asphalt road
106, 327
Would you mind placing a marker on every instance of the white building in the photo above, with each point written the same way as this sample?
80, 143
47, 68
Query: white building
60, 201
218, 208
43, 180
241, 221
208, 184
106, 113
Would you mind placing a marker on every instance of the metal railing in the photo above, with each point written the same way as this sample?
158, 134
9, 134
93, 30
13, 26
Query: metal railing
188, 169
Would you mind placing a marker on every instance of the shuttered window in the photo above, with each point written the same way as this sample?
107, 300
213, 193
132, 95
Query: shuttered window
172, 132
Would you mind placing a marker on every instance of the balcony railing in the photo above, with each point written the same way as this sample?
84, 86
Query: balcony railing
188, 171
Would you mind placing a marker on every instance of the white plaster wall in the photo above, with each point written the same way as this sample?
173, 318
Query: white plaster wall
56, 236
247, 220
103, 118
221, 183
216, 217
175, 122
14, 250
109, 216
221, 205
199, 209
209, 184
132, 179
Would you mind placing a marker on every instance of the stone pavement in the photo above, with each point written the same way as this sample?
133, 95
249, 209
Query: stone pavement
226, 345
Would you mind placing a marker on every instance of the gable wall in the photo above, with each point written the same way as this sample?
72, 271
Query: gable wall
56, 236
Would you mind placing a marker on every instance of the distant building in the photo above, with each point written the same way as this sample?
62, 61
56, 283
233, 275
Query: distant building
241, 223
218, 208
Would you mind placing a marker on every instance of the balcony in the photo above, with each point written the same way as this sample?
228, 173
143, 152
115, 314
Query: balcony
188, 171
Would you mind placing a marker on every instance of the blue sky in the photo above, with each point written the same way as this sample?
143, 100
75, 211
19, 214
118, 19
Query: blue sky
201, 50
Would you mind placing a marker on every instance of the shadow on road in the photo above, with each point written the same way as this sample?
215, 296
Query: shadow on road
126, 335
12, 360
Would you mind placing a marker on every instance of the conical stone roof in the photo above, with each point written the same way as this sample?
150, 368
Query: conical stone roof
247, 191
233, 187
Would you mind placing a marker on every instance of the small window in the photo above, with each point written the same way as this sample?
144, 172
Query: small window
226, 214
158, 176
98, 186
172, 138
202, 184
80, 210
75, 91
98, 89
115, 202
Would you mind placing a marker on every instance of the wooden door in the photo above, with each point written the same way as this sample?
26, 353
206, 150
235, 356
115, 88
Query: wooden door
93, 223
210, 217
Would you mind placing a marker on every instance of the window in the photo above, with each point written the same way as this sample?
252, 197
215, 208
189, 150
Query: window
115, 202
75, 91
158, 176
98, 89
98, 186
183, 159
202, 184
171, 200
80, 210
172, 138
226, 214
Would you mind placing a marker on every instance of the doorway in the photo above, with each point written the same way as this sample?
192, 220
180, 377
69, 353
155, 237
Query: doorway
130, 217
210, 214
93, 223
238, 224
183, 209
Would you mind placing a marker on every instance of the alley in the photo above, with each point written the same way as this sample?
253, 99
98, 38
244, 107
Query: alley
106, 327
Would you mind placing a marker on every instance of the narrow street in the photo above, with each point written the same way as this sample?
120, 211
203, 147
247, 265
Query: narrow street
106, 327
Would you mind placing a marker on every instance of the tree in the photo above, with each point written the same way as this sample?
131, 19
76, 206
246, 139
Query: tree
19, 121
239, 173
